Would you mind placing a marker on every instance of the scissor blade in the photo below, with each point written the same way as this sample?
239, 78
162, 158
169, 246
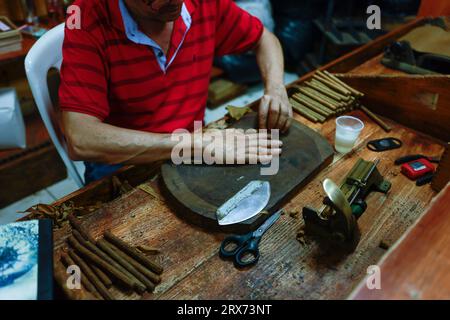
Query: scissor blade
267, 224
246, 204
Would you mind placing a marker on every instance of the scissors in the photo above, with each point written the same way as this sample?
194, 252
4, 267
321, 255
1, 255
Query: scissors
244, 250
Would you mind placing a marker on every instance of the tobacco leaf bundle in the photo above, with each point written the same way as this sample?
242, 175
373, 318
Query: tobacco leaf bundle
59, 213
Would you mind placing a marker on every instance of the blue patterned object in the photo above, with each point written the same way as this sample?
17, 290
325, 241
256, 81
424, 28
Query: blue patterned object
18, 251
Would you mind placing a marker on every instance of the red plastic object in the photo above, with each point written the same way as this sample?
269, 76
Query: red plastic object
417, 168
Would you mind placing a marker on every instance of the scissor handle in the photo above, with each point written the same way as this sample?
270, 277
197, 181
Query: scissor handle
238, 241
252, 249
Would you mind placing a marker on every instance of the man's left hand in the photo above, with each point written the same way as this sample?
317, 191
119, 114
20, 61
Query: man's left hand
275, 111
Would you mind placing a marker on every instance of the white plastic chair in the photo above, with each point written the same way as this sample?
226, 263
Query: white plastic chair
45, 54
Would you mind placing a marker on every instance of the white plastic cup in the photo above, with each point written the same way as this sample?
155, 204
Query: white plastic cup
347, 132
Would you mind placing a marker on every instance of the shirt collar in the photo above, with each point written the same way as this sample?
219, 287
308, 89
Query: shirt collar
116, 15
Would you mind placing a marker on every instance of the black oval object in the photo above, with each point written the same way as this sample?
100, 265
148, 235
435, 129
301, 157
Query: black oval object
384, 144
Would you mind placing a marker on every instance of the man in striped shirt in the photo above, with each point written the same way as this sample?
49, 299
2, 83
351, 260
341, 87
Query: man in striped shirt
137, 70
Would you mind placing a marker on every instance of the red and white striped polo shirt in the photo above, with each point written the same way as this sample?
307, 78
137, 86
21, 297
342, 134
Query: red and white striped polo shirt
106, 75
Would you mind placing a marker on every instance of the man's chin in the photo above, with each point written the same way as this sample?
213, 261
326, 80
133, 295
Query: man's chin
170, 16
170, 13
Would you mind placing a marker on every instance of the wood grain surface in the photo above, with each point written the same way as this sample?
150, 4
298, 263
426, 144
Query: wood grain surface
419, 266
287, 269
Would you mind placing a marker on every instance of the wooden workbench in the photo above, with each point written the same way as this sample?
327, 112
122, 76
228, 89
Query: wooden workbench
287, 268
417, 267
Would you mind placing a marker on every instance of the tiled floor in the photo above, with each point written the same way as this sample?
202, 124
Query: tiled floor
48, 195
62, 188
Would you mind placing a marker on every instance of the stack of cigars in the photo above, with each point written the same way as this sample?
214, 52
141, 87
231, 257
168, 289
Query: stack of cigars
323, 96
109, 261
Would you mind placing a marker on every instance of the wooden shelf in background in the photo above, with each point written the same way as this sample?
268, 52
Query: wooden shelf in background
27, 43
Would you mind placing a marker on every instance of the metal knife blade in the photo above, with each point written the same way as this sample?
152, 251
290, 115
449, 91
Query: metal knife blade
245, 204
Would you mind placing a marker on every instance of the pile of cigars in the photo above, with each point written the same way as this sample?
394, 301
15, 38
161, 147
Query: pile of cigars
109, 261
325, 96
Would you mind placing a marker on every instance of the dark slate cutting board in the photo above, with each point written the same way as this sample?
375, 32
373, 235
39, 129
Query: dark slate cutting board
196, 191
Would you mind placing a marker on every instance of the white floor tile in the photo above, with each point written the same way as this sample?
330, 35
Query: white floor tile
10, 213
62, 188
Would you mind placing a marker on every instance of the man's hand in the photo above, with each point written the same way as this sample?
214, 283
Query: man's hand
275, 111
234, 146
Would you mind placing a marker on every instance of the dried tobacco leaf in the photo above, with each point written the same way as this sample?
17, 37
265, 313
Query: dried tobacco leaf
149, 189
294, 214
148, 250
220, 124
46, 209
236, 112
58, 213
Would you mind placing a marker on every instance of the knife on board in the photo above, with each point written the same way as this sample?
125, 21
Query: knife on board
245, 204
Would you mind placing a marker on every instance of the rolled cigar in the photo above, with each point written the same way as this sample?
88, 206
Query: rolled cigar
376, 119
105, 247
327, 110
352, 101
353, 90
122, 278
137, 284
89, 243
60, 275
102, 276
350, 105
332, 89
339, 103
75, 224
322, 96
332, 85
307, 113
91, 275
301, 111
153, 277
329, 92
68, 261
133, 252
338, 83
311, 105
318, 99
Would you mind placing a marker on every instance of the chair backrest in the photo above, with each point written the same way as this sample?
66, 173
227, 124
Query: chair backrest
45, 54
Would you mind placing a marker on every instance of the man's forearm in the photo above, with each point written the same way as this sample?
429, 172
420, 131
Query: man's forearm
91, 140
270, 60
275, 111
